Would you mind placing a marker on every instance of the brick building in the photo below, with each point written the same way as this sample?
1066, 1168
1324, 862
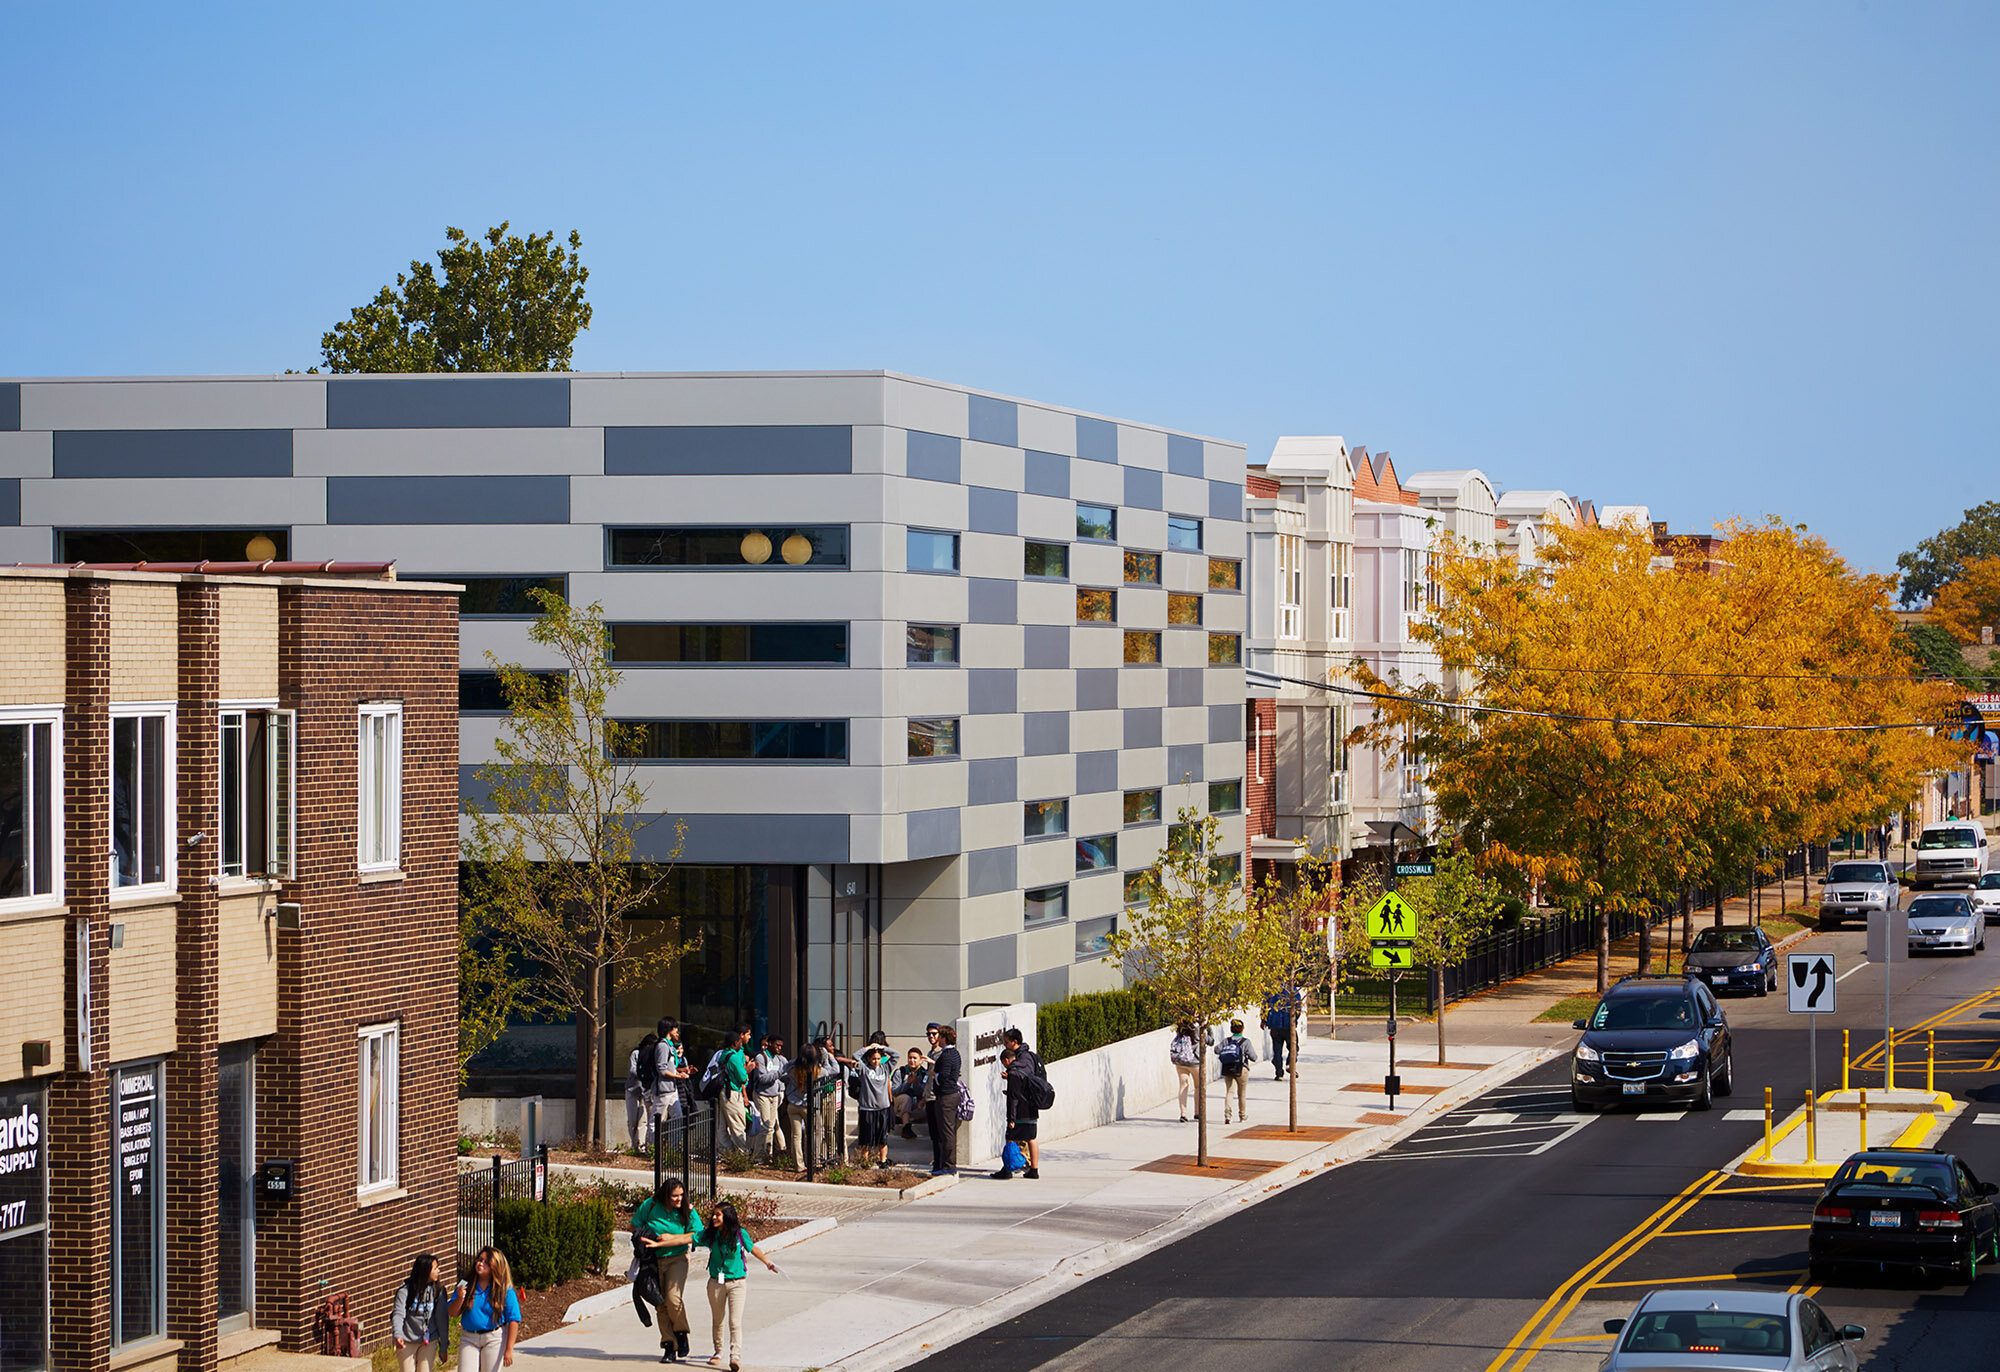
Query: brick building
228, 895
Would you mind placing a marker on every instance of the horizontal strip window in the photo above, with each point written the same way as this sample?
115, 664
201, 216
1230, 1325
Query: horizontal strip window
931, 643
1224, 649
682, 644
483, 693
1142, 569
732, 740
722, 546
173, 545
502, 597
1049, 560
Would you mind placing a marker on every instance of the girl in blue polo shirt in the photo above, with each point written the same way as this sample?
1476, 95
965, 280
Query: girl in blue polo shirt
489, 1312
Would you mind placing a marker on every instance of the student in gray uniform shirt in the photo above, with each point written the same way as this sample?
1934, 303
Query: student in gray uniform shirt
767, 1094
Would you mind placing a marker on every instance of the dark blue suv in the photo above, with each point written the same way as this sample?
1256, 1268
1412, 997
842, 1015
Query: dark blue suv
1653, 1040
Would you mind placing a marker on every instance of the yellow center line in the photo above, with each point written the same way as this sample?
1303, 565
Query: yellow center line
1689, 1281
1752, 1229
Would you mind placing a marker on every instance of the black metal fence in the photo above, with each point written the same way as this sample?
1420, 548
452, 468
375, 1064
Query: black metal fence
480, 1193
1538, 941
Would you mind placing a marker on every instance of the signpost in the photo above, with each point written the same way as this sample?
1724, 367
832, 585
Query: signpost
1392, 933
1810, 989
1888, 944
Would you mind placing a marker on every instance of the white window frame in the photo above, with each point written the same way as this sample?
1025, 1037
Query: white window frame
370, 825
1341, 592
169, 715
51, 715
1413, 586
1291, 586
1338, 752
280, 798
379, 1164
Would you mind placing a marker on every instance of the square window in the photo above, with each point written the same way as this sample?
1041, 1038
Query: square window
1142, 807
1184, 838
1224, 649
1224, 575
1142, 569
142, 828
1099, 522
31, 802
381, 806
1096, 854
1096, 606
1044, 905
1142, 646
1183, 609
1136, 886
1093, 938
1050, 560
1226, 870
933, 738
381, 1103
1225, 797
931, 643
1045, 818
932, 551
1184, 533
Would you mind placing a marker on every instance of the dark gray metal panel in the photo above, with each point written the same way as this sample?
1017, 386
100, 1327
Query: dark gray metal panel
1225, 724
931, 457
1046, 474
990, 691
745, 838
1225, 500
1097, 688
1096, 439
1183, 763
119, 454
729, 450
1142, 489
10, 406
1184, 685
993, 421
1096, 772
447, 500
990, 511
470, 788
1185, 456
992, 780
988, 960
989, 600
1045, 988
991, 870
1045, 646
1142, 727
1045, 733
932, 833
10, 501
457, 402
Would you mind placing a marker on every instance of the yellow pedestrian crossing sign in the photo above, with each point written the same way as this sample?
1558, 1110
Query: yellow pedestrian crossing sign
1390, 918
1385, 955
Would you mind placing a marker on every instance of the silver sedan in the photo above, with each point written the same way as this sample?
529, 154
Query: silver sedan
1986, 896
1945, 924
1730, 1331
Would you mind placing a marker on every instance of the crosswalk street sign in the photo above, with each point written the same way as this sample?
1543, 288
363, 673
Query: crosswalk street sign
1391, 918
1384, 955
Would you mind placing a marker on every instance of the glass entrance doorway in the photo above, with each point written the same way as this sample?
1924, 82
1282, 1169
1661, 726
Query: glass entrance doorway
236, 1199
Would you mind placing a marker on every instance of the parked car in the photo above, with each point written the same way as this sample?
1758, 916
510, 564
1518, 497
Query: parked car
1652, 1040
1737, 956
1915, 1209
1946, 924
1852, 889
1986, 896
1731, 1330
1952, 850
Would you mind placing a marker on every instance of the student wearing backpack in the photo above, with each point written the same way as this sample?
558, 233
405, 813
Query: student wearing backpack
1234, 1056
941, 1111
670, 1072
639, 1080
767, 1095
1028, 1094
830, 1141
734, 1078
1185, 1054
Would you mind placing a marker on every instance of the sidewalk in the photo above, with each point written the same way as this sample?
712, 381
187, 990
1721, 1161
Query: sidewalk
879, 1291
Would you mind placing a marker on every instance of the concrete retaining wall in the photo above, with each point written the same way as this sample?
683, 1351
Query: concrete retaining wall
1123, 1079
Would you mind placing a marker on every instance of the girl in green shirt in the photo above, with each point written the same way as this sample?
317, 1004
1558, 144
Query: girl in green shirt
667, 1225
727, 1246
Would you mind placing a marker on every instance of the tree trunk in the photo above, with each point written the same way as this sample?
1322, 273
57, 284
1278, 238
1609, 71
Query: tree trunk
590, 1066
1201, 1096
1645, 944
1297, 1037
1438, 974
1603, 917
1718, 901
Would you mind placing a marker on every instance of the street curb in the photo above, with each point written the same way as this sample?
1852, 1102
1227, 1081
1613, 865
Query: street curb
618, 1296
943, 1330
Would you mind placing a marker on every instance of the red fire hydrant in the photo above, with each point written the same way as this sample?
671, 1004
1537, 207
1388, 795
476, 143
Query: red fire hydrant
338, 1332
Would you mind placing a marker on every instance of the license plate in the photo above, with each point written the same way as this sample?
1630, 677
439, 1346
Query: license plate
1635, 1088
1885, 1219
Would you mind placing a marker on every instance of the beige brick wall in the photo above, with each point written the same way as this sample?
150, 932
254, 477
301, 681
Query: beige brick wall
145, 642
249, 632
142, 984
33, 1005
247, 974
31, 642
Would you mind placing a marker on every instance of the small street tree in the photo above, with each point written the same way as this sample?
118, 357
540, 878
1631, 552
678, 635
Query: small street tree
552, 871
1196, 944
1455, 907
1300, 910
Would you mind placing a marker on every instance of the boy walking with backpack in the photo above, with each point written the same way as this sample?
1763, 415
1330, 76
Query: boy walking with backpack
1234, 1055
1028, 1094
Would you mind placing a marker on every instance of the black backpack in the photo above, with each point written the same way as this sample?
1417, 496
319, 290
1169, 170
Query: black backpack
1040, 1092
1229, 1053
649, 1062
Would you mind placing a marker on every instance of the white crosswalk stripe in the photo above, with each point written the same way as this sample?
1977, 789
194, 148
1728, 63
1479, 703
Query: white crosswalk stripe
1741, 1116
1661, 1115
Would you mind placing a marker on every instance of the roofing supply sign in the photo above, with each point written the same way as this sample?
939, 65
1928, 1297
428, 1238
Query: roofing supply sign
23, 1158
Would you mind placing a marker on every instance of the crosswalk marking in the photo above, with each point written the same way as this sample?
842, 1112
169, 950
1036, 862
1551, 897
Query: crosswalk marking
1984, 1119
1663, 1115
1743, 1116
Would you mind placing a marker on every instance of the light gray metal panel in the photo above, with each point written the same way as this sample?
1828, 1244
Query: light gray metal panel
988, 960
932, 833
119, 454
1184, 456
1142, 728
1047, 474
1183, 763
1225, 500
1045, 732
272, 402
992, 421
10, 500
1097, 688
10, 406
1045, 646
1096, 772
989, 600
1225, 723
992, 780
988, 511
990, 691
1142, 489
931, 457
729, 450
989, 871
1096, 439
459, 402
745, 838
1045, 988
1184, 685
447, 500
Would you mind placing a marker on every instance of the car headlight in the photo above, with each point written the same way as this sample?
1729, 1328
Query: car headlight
1690, 1049
1751, 967
1585, 1053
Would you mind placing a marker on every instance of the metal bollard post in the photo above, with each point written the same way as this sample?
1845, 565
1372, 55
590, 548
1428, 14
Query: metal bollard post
1812, 1131
1843, 1059
1889, 1075
1864, 1119
1930, 1060
1767, 1123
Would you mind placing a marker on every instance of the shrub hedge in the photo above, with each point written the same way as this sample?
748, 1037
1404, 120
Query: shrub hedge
549, 1244
1080, 1023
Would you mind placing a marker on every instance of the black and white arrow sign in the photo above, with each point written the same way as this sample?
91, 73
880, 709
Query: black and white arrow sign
1809, 987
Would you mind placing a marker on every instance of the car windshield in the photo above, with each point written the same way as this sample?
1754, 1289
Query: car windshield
1644, 1012
1725, 941
1934, 908
1709, 1331
1895, 1172
1856, 871
1946, 838
1990, 882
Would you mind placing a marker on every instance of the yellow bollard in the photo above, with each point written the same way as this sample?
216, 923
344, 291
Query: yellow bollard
1812, 1131
1889, 1049
1930, 1061
1843, 1059
1864, 1119
1767, 1123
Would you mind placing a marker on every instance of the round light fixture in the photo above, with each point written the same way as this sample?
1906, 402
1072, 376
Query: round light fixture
756, 548
797, 549
260, 549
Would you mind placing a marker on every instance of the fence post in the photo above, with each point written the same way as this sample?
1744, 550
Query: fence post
658, 1151
495, 1212
542, 1164
713, 1122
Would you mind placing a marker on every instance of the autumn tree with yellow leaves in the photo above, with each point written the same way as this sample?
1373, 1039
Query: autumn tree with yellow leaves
1970, 601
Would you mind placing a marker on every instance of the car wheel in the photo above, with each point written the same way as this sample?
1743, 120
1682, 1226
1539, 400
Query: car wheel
1726, 1086
1763, 987
1968, 1266
1707, 1096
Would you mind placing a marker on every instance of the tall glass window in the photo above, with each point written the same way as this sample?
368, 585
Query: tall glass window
256, 803
380, 1107
141, 781
138, 1210
381, 786
24, 1226
30, 810
1291, 585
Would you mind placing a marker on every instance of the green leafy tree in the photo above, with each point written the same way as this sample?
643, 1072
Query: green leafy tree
1455, 907
550, 862
504, 304
1196, 945
1936, 560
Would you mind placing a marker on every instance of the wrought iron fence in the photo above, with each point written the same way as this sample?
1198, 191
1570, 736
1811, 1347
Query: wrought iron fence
480, 1194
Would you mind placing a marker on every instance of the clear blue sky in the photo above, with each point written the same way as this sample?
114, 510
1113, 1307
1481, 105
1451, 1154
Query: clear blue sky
1714, 258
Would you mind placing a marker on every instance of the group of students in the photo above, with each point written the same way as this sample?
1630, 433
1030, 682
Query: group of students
487, 1308
1234, 1053
666, 1229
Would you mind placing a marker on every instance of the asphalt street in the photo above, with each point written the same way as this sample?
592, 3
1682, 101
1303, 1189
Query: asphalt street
1501, 1235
